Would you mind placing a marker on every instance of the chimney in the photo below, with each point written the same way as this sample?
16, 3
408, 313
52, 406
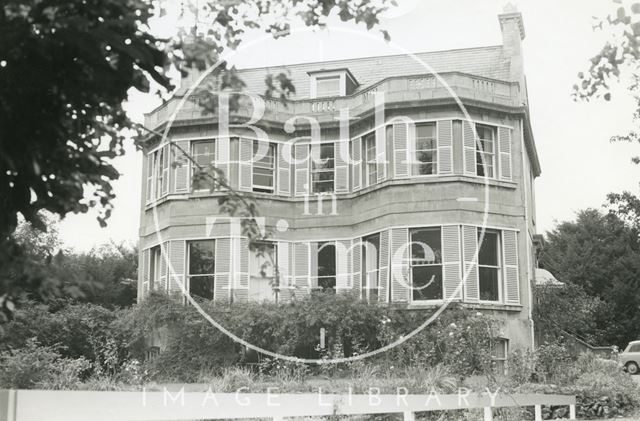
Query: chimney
512, 28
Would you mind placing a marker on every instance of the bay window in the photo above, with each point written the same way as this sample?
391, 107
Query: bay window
201, 268
371, 165
426, 264
322, 168
203, 153
264, 169
425, 160
485, 151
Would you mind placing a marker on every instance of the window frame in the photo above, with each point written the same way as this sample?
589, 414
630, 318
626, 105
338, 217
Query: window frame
256, 164
415, 163
499, 268
188, 274
192, 144
155, 267
412, 265
331, 170
504, 342
315, 279
479, 151
365, 290
328, 77
252, 257
370, 167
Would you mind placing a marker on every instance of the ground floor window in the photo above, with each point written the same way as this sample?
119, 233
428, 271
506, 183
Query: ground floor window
489, 265
262, 281
155, 265
370, 267
201, 268
499, 355
323, 266
426, 264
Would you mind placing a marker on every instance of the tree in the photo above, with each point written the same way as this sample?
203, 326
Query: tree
65, 70
601, 254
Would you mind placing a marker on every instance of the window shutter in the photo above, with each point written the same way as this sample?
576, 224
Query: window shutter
356, 157
284, 265
356, 264
165, 169
241, 288
381, 153
470, 275
383, 277
181, 167
451, 278
302, 170
164, 251
341, 167
400, 148
301, 265
246, 156
222, 284
223, 155
445, 146
284, 170
400, 280
343, 257
177, 250
510, 258
145, 273
469, 146
504, 146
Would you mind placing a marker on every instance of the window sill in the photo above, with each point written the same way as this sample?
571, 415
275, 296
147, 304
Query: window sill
472, 306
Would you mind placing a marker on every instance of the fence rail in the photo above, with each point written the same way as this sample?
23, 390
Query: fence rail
36, 405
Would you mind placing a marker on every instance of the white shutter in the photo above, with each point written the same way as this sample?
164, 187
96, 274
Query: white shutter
284, 170
399, 253
343, 257
504, 146
145, 273
177, 250
284, 265
301, 265
164, 254
356, 157
400, 150
510, 259
356, 264
469, 146
241, 276
341, 166
165, 169
451, 262
223, 156
381, 153
383, 277
445, 146
181, 167
222, 285
302, 186
470, 274
245, 164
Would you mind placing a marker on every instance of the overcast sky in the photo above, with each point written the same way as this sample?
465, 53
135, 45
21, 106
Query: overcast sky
579, 164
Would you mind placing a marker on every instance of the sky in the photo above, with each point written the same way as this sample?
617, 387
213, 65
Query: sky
579, 164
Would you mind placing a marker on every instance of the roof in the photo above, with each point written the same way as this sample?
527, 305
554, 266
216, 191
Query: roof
546, 278
489, 62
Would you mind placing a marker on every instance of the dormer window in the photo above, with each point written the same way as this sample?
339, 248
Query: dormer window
331, 83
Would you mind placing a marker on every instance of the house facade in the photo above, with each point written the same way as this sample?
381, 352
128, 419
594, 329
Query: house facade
419, 194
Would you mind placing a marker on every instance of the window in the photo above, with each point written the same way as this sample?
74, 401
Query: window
157, 173
370, 267
369, 153
328, 86
323, 266
261, 272
263, 167
426, 264
499, 355
489, 266
201, 268
204, 154
155, 267
485, 151
322, 168
634, 348
426, 150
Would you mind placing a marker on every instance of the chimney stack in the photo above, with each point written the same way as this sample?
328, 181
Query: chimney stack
512, 27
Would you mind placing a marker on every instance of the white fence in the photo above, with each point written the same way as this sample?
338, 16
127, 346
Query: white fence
38, 405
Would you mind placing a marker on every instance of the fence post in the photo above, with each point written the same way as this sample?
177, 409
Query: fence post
278, 418
409, 416
538, 413
488, 413
572, 412
8, 405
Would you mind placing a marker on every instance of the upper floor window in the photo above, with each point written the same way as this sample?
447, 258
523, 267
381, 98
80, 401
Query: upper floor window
369, 152
328, 86
426, 264
201, 268
485, 151
489, 266
370, 267
425, 150
322, 168
204, 154
264, 167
